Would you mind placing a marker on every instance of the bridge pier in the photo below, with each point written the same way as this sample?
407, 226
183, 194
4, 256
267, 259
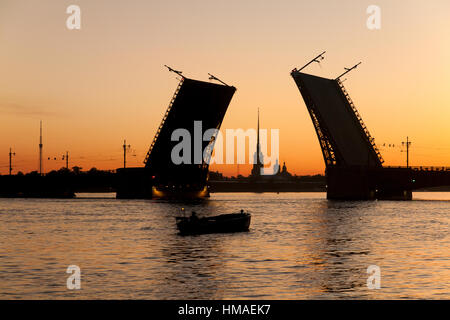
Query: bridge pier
133, 183
362, 183
348, 184
395, 195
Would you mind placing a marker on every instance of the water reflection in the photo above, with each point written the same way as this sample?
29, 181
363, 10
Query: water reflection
337, 251
299, 246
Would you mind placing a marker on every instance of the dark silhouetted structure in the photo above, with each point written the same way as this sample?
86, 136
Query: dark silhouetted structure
11, 154
354, 166
258, 160
194, 101
40, 148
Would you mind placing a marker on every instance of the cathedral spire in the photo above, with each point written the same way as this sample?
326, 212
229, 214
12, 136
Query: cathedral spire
258, 163
258, 148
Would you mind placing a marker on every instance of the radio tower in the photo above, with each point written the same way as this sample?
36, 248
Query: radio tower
11, 154
66, 157
40, 149
126, 148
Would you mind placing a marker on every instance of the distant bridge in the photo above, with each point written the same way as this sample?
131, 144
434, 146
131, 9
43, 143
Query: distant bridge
354, 165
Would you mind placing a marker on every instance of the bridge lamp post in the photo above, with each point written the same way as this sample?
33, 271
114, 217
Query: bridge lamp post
407, 144
126, 148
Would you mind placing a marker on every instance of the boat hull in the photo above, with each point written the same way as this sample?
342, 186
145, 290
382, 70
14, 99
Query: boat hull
226, 223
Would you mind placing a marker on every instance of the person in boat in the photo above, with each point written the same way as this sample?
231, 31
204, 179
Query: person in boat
242, 211
194, 216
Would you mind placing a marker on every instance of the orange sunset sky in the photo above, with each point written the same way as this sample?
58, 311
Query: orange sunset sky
102, 84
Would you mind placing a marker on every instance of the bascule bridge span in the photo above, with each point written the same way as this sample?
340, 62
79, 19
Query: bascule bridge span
354, 165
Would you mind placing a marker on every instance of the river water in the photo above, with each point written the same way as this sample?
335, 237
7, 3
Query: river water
300, 246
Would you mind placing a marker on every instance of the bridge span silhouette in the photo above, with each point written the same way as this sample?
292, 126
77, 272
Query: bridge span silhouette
354, 165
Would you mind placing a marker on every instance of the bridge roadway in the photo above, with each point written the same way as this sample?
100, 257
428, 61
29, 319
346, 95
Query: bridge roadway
386, 183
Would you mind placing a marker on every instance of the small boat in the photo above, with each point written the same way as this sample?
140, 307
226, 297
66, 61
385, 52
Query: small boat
232, 222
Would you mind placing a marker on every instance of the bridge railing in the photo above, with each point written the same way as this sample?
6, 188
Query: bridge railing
363, 125
163, 120
423, 168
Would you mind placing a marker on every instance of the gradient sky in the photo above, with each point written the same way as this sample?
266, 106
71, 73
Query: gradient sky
102, 84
